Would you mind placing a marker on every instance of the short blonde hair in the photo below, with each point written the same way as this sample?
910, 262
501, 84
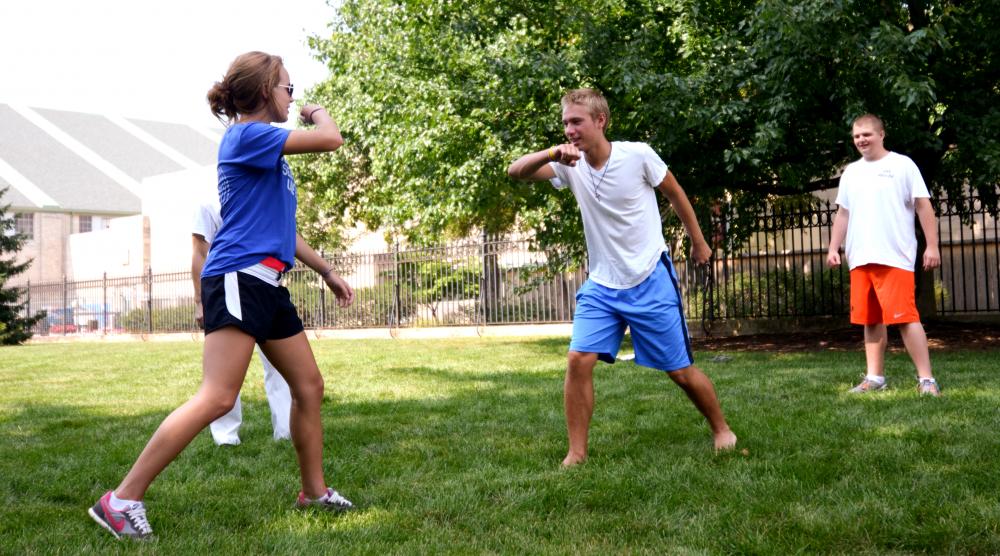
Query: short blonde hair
869, 118
592, 100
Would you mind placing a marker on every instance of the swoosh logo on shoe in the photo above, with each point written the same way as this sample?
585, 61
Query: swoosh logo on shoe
117, 524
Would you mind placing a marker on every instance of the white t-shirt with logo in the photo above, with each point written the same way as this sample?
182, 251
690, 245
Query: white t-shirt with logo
880, 198
621, 219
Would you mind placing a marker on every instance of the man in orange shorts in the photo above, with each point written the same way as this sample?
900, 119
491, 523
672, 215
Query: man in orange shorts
878, 197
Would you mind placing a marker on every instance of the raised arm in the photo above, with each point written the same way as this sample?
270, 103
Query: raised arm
535, 166
700, 251
309, 257
928, 222
324, 137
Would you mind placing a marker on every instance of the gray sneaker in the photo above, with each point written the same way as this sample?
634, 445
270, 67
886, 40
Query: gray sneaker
130, 523
867, 386
929, 387
332, 501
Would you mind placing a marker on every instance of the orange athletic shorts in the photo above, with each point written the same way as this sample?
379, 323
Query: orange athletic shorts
882, 294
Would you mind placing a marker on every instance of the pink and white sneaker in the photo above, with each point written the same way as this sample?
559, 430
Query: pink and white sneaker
332, 501
129, 522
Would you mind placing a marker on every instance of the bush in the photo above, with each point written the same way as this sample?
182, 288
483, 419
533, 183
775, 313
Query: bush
178, 318
777, 293
372, 307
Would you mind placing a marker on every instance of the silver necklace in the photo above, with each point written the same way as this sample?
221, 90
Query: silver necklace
590, 172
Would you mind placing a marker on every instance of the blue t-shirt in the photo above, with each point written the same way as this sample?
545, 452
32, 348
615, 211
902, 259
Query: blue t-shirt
257, 193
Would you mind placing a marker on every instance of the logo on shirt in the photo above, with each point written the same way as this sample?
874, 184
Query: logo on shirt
886, 174
289, 180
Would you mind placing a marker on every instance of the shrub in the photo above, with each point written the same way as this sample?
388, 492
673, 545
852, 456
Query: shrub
777, 293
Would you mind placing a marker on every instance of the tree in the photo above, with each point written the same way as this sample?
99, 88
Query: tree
744, 99
431, 282
930, 69
14, 328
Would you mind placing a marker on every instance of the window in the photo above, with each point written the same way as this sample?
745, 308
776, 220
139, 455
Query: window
24, 224
86, 224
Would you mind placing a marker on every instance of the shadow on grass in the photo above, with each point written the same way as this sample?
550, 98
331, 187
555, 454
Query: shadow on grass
463, 457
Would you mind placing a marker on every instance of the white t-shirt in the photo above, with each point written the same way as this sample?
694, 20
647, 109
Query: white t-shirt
880, 198
208, 217
621, 219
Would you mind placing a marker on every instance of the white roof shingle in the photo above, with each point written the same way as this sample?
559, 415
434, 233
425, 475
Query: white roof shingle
55, 160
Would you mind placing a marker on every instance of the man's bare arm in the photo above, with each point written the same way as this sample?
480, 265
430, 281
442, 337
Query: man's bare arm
700, 251
928, 222
837, 234
199, 252
535, 166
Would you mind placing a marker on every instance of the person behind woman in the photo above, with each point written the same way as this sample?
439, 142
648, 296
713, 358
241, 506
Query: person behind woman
243, 301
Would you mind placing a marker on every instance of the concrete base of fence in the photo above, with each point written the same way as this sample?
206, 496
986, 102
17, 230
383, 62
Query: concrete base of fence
746, 327
722, 328
98, 337
558, 329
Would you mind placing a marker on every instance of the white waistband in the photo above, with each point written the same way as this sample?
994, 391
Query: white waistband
264, 273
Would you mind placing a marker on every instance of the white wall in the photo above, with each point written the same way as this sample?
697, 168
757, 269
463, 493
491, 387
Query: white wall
118, 250
168, 205
169, 200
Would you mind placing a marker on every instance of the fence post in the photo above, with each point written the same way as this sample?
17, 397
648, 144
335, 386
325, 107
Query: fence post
65, 304
481, 313
27, 301
104, 304
397, 301
149, 297
322, 294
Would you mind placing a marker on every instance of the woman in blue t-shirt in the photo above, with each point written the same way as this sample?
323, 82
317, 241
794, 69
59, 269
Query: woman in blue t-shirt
243, 300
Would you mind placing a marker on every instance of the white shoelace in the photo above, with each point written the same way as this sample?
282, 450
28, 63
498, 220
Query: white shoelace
137, 514
334, 497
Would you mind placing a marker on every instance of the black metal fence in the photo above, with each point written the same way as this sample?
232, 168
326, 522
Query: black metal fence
775, 271
474, 283
968, 281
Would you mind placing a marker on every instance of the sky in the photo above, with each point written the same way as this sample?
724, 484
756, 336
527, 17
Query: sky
147, 59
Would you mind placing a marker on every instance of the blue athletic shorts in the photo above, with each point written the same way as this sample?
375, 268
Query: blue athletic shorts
652, 312
261, 309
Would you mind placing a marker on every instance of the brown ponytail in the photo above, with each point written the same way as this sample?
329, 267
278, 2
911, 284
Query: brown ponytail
241, 91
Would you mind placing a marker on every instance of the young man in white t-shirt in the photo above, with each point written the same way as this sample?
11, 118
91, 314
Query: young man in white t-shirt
225, 430
878, 197
632, 282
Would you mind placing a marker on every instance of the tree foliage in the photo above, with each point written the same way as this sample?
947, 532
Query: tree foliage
14, 327
742, 98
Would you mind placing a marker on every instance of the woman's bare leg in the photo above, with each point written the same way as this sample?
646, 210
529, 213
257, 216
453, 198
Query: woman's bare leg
226, 357
295, 361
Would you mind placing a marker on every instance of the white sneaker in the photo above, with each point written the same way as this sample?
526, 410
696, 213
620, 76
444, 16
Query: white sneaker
332, 501
867, 386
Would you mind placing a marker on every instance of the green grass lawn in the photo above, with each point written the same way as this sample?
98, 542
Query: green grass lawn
453, 446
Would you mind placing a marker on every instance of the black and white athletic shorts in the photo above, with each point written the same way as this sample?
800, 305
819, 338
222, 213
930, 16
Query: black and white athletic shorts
251, 299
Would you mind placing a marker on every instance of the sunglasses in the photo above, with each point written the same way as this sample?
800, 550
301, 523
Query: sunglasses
290, 88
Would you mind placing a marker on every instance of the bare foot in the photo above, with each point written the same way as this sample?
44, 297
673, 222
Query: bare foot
573, 459
725, 440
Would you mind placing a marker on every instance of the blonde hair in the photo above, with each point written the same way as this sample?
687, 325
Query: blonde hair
241, 91
869, 118
592, 100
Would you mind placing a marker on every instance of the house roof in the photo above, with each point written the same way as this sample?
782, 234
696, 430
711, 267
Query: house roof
61, 161
12, 197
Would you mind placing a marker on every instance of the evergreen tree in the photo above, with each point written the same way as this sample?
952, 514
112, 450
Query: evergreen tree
14, 328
